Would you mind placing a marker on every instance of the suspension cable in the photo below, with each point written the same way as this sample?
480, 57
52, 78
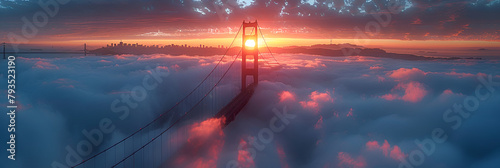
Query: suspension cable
262, 56
161, 115
260, 29
185, 114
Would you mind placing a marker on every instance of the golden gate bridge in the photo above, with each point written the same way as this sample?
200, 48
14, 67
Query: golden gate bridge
153, 144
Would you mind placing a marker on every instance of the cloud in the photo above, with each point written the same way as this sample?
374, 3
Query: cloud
396, 153
349, 114
282, 156
347, 161
244, 158
389, 97
286, 96
45, 65
319, 124
204, 143
406, 74
317, 99
55, 116
376, 67
105, 61
447, 91
413, 92
392, 152
463, 75
205, 129
380, 78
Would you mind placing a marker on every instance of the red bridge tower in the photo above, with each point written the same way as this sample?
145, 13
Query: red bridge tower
249, 48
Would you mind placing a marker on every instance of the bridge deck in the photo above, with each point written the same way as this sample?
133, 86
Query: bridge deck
234, 107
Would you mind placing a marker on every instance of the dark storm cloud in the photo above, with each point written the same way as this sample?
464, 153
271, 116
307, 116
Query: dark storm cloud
415, 19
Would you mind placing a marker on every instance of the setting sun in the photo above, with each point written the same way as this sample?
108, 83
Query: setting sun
250, 43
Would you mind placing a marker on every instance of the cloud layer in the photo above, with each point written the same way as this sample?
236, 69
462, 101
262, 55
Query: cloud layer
348, 114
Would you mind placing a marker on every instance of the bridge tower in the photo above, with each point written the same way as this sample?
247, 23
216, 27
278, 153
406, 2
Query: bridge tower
249, 47
85, 49
3, 50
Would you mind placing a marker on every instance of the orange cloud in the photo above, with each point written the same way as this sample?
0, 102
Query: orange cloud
282, 155
301, 63
372, 145
447, 91
120, 56
207, 128
104, 61
204, 143
460, 75
463, 75
286, 95
413, 92
345, 160
349, 113
319, 123
245, 160
385, 147
376, 67
321, 97
314, 64
389, 97
406, 74
317, 98
394, 152
309, 104
45, 65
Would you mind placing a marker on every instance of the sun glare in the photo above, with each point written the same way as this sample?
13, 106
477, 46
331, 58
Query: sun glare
250, 43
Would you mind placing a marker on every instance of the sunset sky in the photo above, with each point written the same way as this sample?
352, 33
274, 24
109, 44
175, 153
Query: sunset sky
420, 87
401, 23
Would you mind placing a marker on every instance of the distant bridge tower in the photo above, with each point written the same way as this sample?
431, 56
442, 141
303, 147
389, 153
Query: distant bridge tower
3, 50
249, 48
85, 48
